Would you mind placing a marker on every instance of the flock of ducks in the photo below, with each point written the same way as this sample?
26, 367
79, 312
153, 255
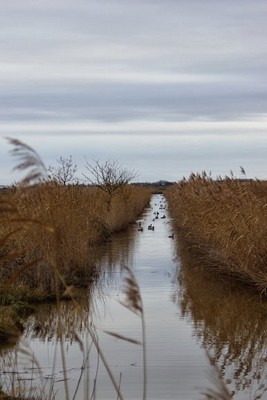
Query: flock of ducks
151, 227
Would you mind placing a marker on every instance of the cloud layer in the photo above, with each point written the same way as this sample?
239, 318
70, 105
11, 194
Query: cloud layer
149, 67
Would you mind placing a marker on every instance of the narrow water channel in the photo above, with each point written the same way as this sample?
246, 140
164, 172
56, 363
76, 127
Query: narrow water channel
192, 321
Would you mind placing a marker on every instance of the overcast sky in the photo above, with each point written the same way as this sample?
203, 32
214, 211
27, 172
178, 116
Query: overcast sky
166, 87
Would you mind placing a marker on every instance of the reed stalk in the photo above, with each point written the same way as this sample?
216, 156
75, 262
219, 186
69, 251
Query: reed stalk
224, 222
53, 229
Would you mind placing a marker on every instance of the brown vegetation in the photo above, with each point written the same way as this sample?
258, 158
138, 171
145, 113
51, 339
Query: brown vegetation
224, 223
51, 229
51, 233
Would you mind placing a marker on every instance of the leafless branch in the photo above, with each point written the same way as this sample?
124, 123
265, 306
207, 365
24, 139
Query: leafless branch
64, 172
109, 176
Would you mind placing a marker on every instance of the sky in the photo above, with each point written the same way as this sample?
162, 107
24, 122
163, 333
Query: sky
166, 87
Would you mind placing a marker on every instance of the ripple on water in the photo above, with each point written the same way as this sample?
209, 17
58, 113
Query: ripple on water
188, 315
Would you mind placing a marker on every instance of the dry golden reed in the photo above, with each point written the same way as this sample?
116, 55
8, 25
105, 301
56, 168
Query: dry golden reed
50, 233
224, 222
49, 237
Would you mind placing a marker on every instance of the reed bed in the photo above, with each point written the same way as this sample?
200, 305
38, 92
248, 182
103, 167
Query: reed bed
50, 229
224, 222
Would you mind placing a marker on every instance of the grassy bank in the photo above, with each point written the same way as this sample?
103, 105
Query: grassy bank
51, 236
224, 223
52, 226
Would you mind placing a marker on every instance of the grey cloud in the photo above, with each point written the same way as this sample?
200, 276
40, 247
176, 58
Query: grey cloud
116, 102
111, 61
174, 34
170, 37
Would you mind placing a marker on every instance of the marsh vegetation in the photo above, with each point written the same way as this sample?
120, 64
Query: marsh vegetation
193, 320
52, 233
79, 247
224, 222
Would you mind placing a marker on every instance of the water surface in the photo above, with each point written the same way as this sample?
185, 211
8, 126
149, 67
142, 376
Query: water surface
192, 320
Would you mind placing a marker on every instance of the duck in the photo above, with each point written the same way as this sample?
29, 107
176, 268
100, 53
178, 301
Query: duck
151, 227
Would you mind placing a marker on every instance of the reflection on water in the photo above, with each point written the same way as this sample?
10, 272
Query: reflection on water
189, 314
230, 322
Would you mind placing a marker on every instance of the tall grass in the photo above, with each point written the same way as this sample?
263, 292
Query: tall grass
225, 223
52, 235
65, 225
49, 234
